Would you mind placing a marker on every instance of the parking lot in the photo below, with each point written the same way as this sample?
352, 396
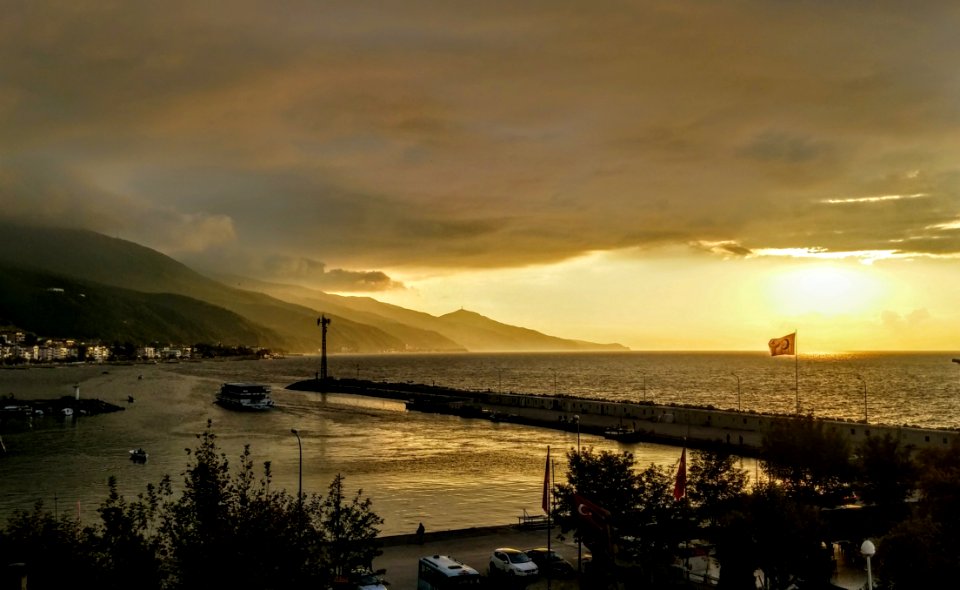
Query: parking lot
473, 547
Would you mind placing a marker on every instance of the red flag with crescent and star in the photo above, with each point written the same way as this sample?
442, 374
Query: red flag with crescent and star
783, 345
591, 514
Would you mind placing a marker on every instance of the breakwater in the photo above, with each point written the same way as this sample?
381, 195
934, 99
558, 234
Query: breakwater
692, 426
12, 408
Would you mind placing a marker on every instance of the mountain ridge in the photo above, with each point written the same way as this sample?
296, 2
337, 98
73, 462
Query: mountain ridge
280, 316
477, 334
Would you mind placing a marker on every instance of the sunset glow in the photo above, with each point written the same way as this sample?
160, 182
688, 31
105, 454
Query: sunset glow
826, 290
665, 175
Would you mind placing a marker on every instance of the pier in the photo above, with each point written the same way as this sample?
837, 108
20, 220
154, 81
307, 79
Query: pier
692, 426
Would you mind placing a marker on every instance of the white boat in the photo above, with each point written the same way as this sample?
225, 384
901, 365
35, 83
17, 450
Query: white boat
245, 396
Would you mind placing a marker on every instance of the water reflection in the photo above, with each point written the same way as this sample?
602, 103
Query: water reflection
445, 471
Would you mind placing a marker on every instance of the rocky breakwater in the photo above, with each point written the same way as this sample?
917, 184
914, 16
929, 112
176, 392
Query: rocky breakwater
15, 410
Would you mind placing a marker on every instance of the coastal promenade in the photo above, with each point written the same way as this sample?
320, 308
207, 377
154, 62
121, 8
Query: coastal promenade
692, 426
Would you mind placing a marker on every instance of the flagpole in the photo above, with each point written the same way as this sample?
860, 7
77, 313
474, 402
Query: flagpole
553, 475
549, 504
796, 369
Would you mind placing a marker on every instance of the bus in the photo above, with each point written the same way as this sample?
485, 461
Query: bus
440, 572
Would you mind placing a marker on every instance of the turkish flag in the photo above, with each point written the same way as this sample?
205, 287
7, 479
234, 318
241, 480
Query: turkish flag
590, 513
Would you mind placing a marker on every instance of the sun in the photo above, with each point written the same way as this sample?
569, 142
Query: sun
823, 290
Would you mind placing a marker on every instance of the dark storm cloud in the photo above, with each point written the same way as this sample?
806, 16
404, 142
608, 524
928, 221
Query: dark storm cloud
375, 135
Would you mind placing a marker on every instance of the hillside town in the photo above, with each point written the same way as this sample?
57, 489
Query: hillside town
18, 347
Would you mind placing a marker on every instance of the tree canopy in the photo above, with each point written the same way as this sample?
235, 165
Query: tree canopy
227, 529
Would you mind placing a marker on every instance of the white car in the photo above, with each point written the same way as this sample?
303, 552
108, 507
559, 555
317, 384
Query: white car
362, 579
512, 562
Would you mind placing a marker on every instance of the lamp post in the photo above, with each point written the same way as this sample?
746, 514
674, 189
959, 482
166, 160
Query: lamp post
738, 390
864, 383
576, 418
554, 381
300, 479
868, 550
499, 380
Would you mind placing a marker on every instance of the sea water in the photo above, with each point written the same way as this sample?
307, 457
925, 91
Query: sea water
445, 471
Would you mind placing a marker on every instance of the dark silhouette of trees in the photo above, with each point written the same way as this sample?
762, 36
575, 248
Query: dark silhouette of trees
52, 548
225, 530
349, 529
812, 463
645, 522
771, 530
886, 473
122, 549
768, 527
716, 483
919, 551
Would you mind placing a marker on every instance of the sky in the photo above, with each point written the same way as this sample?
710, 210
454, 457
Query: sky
675, 175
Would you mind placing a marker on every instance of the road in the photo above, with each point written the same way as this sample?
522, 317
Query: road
471, 546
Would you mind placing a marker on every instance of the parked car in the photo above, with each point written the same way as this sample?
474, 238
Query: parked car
512, 562
359, 579
369, 581
548, 560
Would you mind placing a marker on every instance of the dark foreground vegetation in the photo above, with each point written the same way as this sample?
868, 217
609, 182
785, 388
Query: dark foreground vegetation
815, 491
228, 529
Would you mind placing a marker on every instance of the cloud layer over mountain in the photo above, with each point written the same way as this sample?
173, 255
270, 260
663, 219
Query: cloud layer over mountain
326, 141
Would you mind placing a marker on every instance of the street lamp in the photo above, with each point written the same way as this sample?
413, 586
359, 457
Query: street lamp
864, 382
738, 390
499, 380
300, 481
868, 551
576, 418
554, 380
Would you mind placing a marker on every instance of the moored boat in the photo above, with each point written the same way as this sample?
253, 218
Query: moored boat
245, 396
138, 455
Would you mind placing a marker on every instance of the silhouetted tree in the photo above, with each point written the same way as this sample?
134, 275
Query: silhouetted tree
916, 553
886, 471
124, 553
259, 538
646, 523
715, 482
771, 530
52, 548
225, 530
812, 463
349, 529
